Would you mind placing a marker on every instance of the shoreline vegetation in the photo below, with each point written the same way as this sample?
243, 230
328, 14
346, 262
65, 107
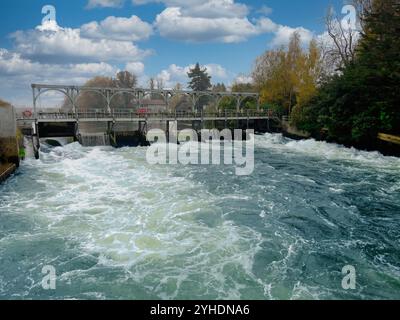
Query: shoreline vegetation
345, 89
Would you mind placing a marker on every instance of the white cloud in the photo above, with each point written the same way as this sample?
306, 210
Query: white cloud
136, 68
105, 4
173, 24
219, 21
243, 79
17, 74
204, 8
177, 74
118, 28
12, 64
265, 10
283, 34
66, 45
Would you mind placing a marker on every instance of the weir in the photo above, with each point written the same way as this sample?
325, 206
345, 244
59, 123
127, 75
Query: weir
128, 127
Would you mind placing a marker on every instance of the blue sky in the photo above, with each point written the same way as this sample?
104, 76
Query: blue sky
152, 38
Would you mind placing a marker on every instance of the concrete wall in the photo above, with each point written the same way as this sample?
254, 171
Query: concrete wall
8, 140
7, 121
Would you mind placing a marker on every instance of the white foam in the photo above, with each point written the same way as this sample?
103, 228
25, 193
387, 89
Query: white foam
325, 150
142, 218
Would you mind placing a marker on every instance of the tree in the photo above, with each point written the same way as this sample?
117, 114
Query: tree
160, 84
152, 84
288, 77
354, 106
91, 100
179, 102
125, 80
339, 46
243, 87
219, 87
200, 81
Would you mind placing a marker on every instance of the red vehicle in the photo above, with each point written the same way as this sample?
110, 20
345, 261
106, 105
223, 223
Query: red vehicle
142, 111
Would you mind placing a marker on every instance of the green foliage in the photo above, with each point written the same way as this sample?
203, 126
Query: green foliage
288, 76
355, 106
219, 87
243, 87
227, 104
199, 79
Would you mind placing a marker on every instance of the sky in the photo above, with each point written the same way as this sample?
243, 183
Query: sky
82, 39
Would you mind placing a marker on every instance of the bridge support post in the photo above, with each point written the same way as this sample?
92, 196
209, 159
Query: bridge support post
168, 132
238, 103
34, 102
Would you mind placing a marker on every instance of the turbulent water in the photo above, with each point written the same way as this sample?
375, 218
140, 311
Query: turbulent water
115, 227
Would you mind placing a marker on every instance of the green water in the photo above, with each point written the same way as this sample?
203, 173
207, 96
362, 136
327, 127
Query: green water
115, 227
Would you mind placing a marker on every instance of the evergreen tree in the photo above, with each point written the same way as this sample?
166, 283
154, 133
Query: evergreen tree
199, 79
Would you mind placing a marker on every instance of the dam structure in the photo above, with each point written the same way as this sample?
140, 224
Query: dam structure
9, 150
128, 126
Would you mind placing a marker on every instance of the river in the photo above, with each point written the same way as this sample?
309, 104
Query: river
115, 227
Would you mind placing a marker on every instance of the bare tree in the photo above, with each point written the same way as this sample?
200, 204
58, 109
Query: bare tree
125, 80
160, 84
340, 48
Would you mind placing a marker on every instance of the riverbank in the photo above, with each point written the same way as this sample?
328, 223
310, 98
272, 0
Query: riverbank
6, 170
388, 145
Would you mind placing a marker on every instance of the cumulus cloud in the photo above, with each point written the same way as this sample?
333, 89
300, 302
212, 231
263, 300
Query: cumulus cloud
17, 73
218, 21
12, 64
136, 68
118, 28
65, 45
283, 34
173, 24
105, 4
177, 74
204, 8
243, 79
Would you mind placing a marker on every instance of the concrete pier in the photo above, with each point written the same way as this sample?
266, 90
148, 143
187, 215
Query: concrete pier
9, 152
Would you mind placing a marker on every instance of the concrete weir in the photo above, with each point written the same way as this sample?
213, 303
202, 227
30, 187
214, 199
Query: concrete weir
9, 152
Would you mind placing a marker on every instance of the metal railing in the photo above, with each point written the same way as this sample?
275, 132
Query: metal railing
128, 114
